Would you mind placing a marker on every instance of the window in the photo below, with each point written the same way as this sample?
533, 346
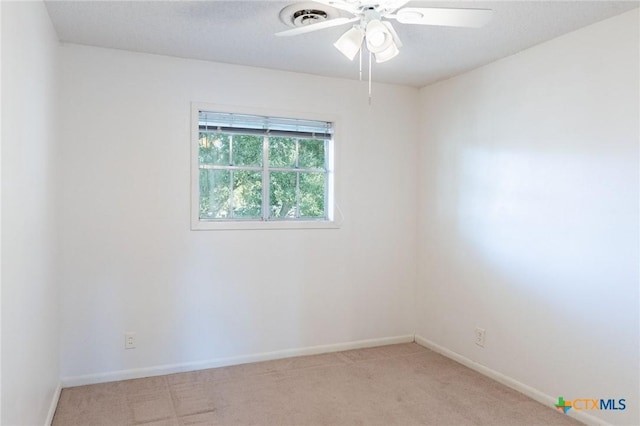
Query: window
259, 171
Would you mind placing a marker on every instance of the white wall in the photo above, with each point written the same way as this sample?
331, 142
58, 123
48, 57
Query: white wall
529, 215
30, 323
131, 263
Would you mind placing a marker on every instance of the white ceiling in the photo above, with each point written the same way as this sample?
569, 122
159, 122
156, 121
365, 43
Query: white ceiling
241, 32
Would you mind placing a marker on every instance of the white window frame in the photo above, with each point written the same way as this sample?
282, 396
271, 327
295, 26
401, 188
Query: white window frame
199, 225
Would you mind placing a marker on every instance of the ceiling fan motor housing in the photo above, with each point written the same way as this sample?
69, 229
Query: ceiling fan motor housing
308, 16
307, 13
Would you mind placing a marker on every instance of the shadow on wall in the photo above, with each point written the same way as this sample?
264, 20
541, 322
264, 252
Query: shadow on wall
529, 245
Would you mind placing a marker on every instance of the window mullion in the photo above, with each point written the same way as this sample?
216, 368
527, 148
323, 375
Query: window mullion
265, 178
231, 215
293, 169
298, 195
326, 179
231, 194
297, 166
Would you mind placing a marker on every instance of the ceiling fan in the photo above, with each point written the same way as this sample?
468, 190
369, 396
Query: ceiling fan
372, 25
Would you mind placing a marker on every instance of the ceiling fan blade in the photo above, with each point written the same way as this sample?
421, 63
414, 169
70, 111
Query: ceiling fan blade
392, 5
314, 27
339, 4
394, 34
471, 18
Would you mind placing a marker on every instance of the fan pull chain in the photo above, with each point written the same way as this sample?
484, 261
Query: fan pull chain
370, 55
360, 51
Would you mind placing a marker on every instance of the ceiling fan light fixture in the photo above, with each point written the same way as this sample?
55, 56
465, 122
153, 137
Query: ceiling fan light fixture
378, 36
394, 34
387, 54
349, 43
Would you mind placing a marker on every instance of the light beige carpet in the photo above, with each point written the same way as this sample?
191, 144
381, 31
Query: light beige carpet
389, 385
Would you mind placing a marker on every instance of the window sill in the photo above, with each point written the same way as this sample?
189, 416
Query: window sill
201, 225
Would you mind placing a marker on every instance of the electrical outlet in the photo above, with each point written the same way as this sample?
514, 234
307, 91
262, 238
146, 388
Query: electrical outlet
480, 336
129, 340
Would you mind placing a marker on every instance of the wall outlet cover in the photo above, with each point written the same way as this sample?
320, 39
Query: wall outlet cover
129, 340
480, 334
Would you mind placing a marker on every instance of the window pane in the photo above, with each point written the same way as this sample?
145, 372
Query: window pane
282, 152
247, 194
247, 150
256, 168
214, 148
312, 195
311, 154
282, 187
214, 194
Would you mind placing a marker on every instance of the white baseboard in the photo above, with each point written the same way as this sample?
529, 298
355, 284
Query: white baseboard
54, 405
223, 362
532, 393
